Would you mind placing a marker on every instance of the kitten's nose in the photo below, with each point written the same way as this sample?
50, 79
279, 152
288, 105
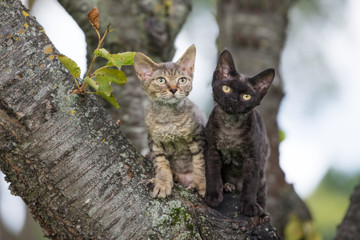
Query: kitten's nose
173, 90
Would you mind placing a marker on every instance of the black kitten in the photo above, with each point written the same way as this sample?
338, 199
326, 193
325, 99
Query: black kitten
237, 145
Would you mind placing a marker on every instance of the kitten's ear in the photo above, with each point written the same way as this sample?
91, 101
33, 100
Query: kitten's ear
262, 81
187, 61
225, 65
144, 66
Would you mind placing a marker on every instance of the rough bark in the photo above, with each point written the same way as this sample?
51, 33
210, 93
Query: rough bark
350, 227
254, 31
74, 169
144, 26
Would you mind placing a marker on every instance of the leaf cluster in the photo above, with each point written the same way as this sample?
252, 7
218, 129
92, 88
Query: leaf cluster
102, 78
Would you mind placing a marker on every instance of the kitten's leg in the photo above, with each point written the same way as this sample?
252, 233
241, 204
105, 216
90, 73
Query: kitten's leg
214, 184
198, 161
261, 193
163, 180
248, 202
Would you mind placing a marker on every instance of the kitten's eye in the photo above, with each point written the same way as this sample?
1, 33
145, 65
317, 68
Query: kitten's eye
161, 80
226, 88
245, 97
182, 80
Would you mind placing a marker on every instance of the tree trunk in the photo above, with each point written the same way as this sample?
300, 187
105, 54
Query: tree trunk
350, 227
74, 169
146, 26
254, 31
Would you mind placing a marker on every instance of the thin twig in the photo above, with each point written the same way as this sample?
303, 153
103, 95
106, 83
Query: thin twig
97, 70
98, 47
101, 40
77, 84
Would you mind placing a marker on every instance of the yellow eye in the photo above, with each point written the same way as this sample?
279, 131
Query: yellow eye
182, 80
161, 80
226, 88
245, 96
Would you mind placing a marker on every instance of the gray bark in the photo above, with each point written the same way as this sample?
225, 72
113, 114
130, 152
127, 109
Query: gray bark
254, 31
350, 227
144, 26
74, 169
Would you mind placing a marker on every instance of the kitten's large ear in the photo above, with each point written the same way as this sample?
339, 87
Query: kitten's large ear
144, 66
225, 65
187, 61
262, 81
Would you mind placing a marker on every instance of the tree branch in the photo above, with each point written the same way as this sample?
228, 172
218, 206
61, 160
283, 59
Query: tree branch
75, 170
349, 228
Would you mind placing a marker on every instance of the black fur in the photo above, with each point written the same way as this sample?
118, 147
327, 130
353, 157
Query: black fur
237, 145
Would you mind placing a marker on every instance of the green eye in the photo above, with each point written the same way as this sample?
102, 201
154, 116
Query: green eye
245, 96
182, 80
161, 80
226, 88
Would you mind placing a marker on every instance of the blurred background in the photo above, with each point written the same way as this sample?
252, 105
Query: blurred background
318, 117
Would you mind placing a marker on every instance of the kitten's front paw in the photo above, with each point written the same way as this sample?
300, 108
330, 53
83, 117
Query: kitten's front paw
213, 199
229, 187
161, 189
250, 208
200, 186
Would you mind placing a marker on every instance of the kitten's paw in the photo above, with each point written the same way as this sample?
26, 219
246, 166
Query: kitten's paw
201, 190
213, 199
162, 189
229, 187
200, 186
250, 208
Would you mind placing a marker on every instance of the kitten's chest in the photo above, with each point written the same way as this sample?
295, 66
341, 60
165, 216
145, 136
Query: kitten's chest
230, 137
166, 127
166, 132
233, 157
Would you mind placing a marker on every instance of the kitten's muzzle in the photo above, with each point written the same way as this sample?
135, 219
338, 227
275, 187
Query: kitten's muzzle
173, 90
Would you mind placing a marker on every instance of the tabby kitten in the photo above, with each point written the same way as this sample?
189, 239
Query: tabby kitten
174, 124
237, 145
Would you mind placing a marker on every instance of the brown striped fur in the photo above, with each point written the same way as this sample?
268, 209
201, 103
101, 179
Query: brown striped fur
175, 125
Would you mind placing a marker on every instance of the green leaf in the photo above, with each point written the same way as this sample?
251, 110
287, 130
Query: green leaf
282, 135
102, 52
118, 59
104, 85
127, 58
111, 99
114, 75
92, 83
70, 65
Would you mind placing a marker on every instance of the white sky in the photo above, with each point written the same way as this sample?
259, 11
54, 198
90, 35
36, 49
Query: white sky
322, 127
204, 39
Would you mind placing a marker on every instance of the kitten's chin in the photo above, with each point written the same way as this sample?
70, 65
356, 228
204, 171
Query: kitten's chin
230, 110
174, 100
169, 101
